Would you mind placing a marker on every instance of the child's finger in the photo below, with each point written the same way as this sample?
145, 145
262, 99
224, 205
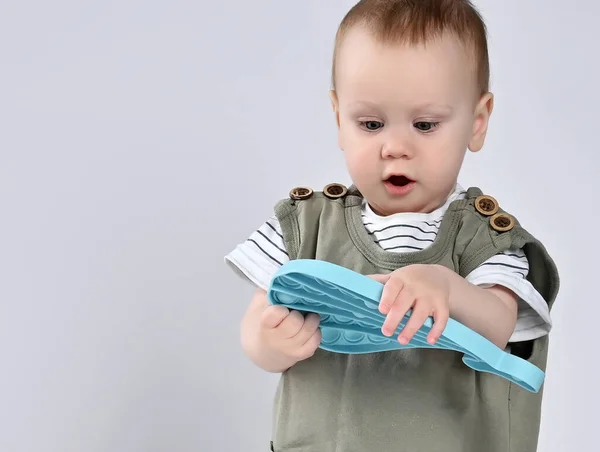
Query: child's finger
414, 324
404, 301
291, 325
400, 307
311, 324
272, 316
309, 348
440, 320
389, 294
380, 278
392, 321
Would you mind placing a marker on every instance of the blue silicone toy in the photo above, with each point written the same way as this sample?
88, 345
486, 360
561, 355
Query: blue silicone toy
348, 304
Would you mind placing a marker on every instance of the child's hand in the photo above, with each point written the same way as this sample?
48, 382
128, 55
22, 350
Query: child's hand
288, 334
276, 338
425, 289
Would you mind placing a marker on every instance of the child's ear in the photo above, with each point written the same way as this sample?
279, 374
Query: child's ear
334, 104
483, 111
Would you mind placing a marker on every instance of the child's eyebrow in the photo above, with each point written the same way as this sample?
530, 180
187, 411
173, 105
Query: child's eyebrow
426, 107
429, 106
363, 104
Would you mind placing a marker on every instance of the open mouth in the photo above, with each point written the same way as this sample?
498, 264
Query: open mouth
399, 181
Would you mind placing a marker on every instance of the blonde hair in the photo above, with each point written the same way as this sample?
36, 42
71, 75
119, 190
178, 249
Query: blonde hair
417, 22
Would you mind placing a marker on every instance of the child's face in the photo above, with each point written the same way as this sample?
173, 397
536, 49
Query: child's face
407, 111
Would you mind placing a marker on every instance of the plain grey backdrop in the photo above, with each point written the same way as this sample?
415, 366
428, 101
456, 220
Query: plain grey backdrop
141, 141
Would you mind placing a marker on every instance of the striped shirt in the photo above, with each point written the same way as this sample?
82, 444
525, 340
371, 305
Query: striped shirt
259, 257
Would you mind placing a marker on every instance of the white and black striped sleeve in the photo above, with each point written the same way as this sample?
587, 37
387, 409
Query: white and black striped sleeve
261, 255
509, 269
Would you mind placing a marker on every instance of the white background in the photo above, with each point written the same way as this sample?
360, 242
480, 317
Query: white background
140, 141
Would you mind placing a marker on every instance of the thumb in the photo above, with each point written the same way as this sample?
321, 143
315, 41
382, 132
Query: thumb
273, 316
381, 278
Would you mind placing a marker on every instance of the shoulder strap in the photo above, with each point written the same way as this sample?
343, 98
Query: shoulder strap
494, 230
301, 212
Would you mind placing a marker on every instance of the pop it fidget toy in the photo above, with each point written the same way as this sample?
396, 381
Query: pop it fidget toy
348, 304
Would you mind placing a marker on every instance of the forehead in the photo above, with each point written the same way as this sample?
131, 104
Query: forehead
440, 70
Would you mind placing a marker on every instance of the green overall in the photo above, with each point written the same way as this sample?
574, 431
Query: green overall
418, 400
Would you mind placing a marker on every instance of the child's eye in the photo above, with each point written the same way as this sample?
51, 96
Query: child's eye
426, 126
371, 125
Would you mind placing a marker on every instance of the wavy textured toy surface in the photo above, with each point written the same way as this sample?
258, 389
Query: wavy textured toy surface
351, 322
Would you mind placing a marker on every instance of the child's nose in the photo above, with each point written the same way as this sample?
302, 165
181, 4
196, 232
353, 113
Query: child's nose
397, 147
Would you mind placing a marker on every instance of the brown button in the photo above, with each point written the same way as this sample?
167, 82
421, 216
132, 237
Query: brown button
335, 191
502, 222
299, 193
486, 205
